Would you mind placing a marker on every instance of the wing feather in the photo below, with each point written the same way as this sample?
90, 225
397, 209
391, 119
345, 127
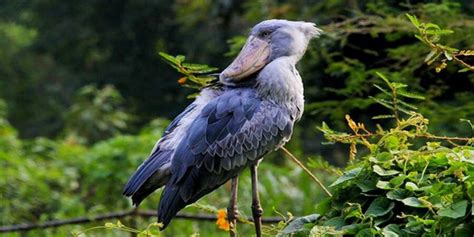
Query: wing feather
232, 131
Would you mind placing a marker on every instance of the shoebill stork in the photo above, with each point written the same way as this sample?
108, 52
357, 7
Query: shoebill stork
231, 125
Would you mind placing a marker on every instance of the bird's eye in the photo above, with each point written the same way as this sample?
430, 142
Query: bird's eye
264, 34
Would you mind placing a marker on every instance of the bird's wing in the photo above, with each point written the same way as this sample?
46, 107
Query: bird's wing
233, 130
171, 127
147, 178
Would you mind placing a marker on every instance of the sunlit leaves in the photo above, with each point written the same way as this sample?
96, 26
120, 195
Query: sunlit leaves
455, 210
430, 34
410, 195
153, 230
194, 75
395, 95
398, 189
97, 113
297, 224
351, 174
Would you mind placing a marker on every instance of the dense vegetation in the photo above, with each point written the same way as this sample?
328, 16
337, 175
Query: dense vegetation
84, 95
409, 183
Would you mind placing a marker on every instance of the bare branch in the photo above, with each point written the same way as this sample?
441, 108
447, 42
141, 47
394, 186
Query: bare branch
115, 215
288, 153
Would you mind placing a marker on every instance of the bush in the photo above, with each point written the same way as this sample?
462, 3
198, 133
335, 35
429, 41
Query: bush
409, 182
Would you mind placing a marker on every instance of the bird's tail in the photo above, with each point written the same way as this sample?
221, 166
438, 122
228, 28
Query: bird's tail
197, 184
151, 175
170, 203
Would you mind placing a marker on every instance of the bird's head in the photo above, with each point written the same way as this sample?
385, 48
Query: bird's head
269, 40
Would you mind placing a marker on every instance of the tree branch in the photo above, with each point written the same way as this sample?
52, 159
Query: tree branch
114, 215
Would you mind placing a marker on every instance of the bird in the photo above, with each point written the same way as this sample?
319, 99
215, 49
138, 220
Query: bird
231, 125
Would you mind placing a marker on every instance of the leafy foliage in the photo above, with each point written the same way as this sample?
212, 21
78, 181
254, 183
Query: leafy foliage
430, 34
406, 185
44, 179
152, 230
194, 74
96, 114
50, 173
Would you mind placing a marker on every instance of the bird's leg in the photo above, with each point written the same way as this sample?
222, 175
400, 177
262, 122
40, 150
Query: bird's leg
232, 211
257, 210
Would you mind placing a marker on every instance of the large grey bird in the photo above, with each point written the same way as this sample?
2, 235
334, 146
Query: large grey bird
231, 125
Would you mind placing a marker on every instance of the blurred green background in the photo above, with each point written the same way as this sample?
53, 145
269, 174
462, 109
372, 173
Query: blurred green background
84, 95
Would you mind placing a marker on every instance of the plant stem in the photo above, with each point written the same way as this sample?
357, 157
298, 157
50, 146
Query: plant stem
288, 153
427, 136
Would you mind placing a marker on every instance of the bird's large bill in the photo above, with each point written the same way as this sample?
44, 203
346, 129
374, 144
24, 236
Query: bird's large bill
253, 57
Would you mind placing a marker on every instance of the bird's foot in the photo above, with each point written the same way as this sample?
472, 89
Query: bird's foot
232, 216
257, 213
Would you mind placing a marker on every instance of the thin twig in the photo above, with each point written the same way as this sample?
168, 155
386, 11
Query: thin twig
114, 215
470, 67
453, 55
434, 137
306, 170
426, 136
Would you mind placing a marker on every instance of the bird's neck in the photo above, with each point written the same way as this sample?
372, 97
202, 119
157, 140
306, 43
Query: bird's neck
281, 83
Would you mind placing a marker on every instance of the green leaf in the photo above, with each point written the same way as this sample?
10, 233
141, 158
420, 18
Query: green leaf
411, 186
297, 224
420, 38
385, 103
410, 95
180, 58
366, 185
385, 185
410, 106
398, 194
398, 180
169, 58
382, 89
110, 225
325, 128
448, 55
384, 79
353, 229
391, 230
380, 171
351, 174
413, 202
195, 66
430, 56
438, 32
379, 207
383, 219
392, 142
383, 157
399, 85
404, 110
433, 58
323, 206
319, 230
337, 222
384, 116
465, 229
454, 211
431, 26
198, 68
353, 211
468, 122
368, 232
413, 20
